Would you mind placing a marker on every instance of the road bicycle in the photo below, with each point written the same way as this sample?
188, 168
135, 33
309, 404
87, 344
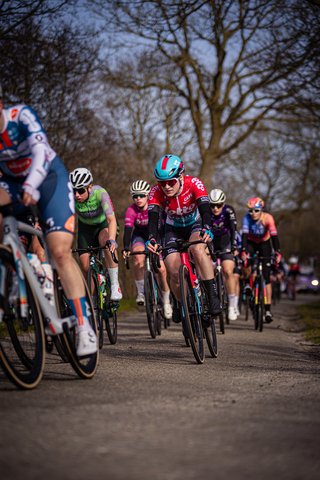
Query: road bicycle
221, 292
259, 293
244, 299
99, 286
152, 293
27, 316
196, 318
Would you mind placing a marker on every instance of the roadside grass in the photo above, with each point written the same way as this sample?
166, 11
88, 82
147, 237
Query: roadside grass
310, 315
128, 304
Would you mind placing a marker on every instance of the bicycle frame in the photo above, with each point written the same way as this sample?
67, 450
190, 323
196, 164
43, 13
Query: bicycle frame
52, 322
185, 261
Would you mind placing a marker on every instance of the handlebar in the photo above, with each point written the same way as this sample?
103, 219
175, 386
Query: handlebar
154, 259
97, 249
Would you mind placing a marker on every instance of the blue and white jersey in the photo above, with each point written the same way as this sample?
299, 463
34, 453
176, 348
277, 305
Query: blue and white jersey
24, 148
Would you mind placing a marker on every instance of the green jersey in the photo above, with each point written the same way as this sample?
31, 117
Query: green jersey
95, 210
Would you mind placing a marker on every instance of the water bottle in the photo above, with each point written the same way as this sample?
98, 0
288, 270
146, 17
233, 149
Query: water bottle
48, 286
198, 288
37, 266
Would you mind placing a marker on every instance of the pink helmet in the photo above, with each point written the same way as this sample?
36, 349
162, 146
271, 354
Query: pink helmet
255, 202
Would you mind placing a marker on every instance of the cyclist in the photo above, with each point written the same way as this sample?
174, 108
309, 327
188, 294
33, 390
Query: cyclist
293, 274
136, 231
96, 223
237, 270
224, 227
184, 199
28, 162
257, 229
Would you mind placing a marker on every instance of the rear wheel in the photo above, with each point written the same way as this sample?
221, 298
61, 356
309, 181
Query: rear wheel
84, 366
22, 339
192, 319
261, 304
151, 308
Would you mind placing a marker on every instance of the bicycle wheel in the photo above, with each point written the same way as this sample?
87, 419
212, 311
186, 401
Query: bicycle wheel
158, 306
225, 303
151, 308
110, 313
85, 367
210, 332
261, 303
94, 291
220, 296
22, 340
191, 315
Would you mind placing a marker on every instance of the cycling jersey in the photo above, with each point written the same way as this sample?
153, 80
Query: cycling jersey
24, 148
182, 210
137, 218
95, 210
225, 223
27, 160
261, 230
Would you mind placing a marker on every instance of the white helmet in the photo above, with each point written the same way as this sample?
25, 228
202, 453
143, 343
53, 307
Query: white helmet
216, 196
80, 178
293, 260
140, 187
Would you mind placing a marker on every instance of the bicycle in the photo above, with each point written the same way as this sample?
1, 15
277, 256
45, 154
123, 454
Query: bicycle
194, 304
259, 294
221, 292
27, 316
99, 286
152, 294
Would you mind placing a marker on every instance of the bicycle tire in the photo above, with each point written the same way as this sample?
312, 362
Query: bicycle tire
225, 303
256, 305
95, 293
261, 303
110, 312
210, 332
85, 367
159, 306
64, 310
149, 295
219, 294
247, 306
22, 341
191, 315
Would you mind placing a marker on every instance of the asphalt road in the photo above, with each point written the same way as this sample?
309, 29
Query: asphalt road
151, 412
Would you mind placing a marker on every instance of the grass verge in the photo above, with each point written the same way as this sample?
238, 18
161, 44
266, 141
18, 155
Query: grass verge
128, 304
310, 315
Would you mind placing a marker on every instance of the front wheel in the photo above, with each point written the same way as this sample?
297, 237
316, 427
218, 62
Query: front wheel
151, 307
220, 296
110, 308
22, 339
190, 313
95, 294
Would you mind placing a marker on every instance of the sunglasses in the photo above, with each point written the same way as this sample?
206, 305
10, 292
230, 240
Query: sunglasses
254, 210
171, 183
217, 205
81, 191
141, 195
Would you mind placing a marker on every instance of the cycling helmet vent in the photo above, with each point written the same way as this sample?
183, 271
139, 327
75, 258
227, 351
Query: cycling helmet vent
170, 166
81, 178
216, 196
140, 187
255, 202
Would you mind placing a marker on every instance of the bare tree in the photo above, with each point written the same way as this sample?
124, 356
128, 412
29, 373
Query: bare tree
14, 13
225, 61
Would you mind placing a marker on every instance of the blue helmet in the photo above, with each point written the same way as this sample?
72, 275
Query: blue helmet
170, 166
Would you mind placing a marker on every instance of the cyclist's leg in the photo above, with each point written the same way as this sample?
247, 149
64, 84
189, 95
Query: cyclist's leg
57, 207
266, 251
138, 245
165, 290
228, 267
105, 234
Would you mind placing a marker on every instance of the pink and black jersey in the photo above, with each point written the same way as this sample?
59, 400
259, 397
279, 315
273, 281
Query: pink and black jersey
137, 218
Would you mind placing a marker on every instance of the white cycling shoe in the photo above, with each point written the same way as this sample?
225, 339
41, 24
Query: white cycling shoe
167, 311
87, 343
140, 299
232, 313
116, 294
